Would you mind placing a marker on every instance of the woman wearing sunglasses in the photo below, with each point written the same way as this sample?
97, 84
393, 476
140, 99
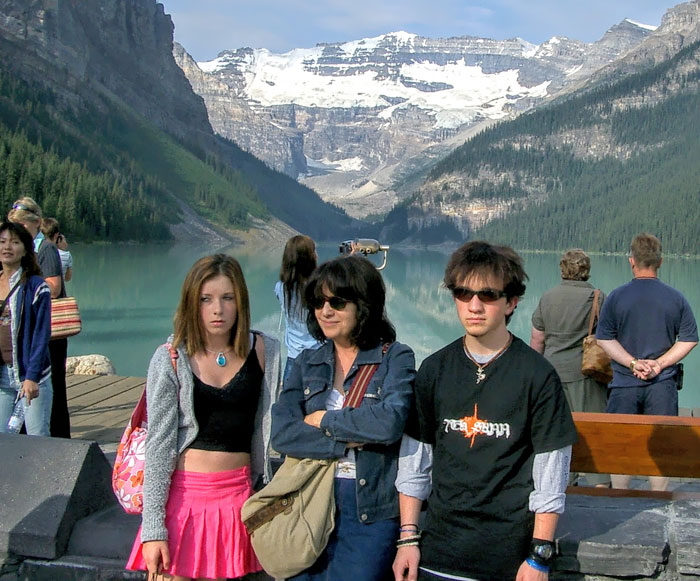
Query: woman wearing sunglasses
346, 297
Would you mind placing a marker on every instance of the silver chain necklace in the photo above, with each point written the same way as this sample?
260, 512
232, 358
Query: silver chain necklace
220, 356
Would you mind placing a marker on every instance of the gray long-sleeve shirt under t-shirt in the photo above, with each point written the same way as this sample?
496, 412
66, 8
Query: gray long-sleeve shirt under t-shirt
550, 474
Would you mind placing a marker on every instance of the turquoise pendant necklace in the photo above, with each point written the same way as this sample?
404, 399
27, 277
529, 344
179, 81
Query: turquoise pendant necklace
220, 357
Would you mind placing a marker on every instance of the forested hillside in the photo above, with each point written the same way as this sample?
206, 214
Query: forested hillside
591, 171
105, 174
100, 126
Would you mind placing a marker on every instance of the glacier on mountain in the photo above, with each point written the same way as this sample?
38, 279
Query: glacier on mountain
357, 118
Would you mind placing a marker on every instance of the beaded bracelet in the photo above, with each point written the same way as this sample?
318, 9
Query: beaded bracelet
413, 528
409, 544
413, 539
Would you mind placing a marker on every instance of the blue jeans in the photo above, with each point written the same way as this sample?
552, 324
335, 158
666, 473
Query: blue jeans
355, 551
38, 416
656, 399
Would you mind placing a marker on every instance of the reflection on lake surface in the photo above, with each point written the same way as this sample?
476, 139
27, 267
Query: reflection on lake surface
128, 294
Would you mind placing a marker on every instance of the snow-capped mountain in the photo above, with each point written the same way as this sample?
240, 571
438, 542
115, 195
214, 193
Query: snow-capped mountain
357, 120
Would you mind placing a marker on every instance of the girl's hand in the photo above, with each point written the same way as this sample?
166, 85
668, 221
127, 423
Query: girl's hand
157, 556
30, 389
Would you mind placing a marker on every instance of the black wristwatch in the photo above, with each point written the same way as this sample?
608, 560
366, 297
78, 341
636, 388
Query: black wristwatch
542, 552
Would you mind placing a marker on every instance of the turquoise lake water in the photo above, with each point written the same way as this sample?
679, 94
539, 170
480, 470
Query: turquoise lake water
128, 294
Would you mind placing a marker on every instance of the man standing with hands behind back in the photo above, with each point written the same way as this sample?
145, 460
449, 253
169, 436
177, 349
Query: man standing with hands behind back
495, 414
646, 327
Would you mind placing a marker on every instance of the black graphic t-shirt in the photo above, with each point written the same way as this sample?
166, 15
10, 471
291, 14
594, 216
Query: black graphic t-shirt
485, 437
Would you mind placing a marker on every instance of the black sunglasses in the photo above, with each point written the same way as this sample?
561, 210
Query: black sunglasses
486, 295
20, 206
336, 303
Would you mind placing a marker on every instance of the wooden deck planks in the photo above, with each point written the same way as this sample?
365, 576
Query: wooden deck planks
100, 406
104, 394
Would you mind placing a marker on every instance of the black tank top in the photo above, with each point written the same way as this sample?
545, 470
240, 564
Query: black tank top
226, 415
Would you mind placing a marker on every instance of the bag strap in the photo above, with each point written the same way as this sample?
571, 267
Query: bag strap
140, 414
594, 311
173, 357
357, 391
7, 298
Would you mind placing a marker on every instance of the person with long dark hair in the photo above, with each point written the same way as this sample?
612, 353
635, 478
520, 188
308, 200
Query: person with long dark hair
27, 212
25, 328
208, 430
346, 300
298, 262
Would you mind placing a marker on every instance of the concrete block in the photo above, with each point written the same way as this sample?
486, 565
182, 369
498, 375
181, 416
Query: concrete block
77, 569
687, 548
46, 486
687, 535
626, 537
687, 510
72, 568
108, 533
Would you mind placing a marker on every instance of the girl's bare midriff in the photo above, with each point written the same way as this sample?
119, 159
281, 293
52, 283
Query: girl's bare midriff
192, 460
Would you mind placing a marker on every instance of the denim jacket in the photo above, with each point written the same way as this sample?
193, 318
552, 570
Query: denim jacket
30, 307
377, 424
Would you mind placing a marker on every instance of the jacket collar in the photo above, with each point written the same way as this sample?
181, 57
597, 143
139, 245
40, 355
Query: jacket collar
15, 277
38, 240
324, 354
582, 283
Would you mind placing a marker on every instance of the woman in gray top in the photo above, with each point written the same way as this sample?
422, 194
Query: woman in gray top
209, 392
559, 325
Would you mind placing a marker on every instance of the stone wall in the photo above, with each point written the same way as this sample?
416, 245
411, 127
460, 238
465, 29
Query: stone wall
629, 538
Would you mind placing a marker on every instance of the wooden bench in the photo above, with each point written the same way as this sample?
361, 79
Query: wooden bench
636, 445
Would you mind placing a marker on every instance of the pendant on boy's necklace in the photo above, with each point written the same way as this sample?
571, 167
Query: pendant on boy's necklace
480, 375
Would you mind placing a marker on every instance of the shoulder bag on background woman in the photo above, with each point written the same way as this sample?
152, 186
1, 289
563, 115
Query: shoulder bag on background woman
596, 362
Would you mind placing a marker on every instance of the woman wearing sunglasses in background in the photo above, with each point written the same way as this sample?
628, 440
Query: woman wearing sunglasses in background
346, 297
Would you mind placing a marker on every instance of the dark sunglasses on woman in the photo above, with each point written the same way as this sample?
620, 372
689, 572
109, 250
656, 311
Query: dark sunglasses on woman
336, 303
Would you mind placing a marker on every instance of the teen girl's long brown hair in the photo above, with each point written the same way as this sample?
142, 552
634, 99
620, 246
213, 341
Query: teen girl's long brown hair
188, 322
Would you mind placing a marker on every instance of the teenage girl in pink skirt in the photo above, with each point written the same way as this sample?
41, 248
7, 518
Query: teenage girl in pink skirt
208, 431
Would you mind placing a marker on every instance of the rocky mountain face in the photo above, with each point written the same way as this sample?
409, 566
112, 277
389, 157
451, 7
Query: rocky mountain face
121, 47
605, 123
358, 121
109, 66
680, 27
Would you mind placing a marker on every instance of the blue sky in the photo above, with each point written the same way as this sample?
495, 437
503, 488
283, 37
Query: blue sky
206, 27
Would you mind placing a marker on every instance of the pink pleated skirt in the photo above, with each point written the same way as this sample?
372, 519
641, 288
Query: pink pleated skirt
206, 536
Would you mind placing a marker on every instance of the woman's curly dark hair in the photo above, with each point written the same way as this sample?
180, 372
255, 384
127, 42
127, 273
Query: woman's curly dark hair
355, 279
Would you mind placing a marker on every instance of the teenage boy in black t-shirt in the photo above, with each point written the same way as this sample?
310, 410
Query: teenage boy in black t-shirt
501, 432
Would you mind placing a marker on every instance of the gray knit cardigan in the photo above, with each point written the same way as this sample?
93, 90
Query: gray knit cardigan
172, 427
